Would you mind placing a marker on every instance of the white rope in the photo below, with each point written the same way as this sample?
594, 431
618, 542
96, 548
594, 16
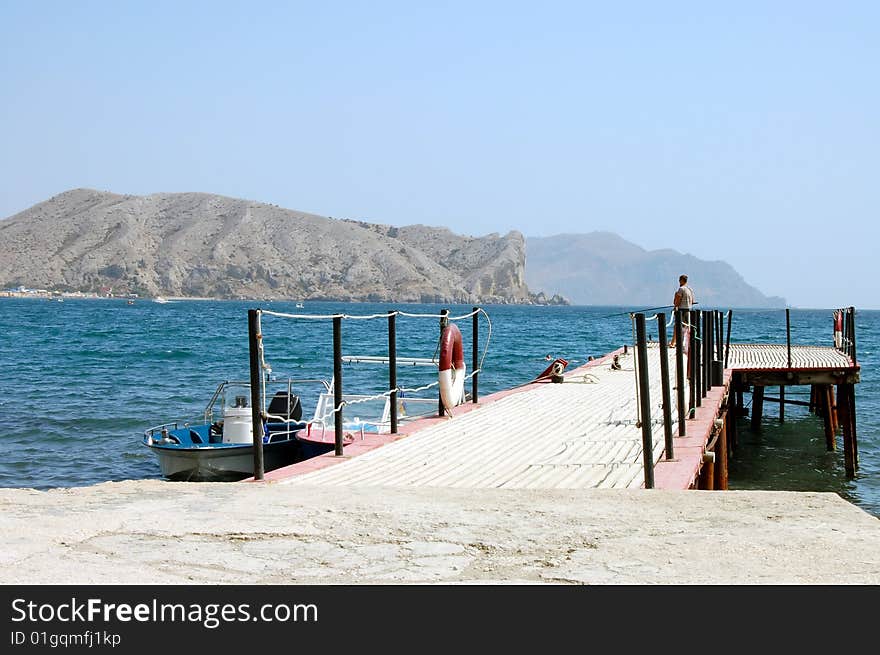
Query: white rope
387, 393
417, 389
313, 316
370, 316
325, 316
451, 318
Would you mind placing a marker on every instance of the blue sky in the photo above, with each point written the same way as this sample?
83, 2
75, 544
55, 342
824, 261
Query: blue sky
744, 132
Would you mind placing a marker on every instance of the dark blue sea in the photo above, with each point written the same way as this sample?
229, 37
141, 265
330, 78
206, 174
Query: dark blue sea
80, 380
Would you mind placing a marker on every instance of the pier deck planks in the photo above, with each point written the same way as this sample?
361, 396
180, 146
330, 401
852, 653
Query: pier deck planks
579, 434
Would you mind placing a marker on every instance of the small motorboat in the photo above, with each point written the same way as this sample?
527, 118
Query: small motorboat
222, 448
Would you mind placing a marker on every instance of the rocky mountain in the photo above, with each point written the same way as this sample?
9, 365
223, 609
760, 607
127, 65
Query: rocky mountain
202, 245
612, 271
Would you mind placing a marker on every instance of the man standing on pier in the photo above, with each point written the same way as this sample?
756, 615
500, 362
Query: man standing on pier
683, 300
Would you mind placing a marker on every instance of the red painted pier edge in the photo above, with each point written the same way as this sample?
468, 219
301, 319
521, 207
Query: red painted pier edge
373, 441
683, 471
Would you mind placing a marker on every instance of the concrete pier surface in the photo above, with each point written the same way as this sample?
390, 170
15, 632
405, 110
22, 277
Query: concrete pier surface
156, 532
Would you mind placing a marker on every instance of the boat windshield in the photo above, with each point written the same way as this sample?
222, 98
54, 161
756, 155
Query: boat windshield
236, 397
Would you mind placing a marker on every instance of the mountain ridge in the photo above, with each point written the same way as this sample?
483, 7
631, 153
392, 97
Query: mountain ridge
206, 245
614, 271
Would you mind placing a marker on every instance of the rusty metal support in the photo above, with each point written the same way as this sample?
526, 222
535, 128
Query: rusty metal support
707, 472
721, 453
845, 407
757, 407
827, 418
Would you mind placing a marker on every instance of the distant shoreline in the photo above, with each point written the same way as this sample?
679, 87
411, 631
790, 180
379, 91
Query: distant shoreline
41, 295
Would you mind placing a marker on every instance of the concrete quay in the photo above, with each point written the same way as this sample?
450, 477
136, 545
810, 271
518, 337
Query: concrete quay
156, 532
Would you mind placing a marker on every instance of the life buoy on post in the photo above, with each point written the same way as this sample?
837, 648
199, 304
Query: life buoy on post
452, 367
838, 329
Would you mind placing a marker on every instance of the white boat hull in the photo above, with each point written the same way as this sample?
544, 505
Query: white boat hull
218, 464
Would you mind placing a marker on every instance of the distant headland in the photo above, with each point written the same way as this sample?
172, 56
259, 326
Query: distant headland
198, 245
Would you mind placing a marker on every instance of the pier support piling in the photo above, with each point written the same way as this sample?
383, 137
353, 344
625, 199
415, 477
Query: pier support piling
827, 418
721, 454
846, 408
707, 472
835, 423
757, 407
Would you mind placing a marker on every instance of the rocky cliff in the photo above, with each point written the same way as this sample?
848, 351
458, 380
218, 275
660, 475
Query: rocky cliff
202, 245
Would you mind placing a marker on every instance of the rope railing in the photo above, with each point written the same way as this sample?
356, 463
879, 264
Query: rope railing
262, 369
700, 354
475, 312
269, 312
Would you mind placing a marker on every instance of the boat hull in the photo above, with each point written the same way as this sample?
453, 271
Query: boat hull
222, 463
311, 448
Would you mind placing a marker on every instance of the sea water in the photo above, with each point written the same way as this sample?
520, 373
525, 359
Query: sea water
81, 380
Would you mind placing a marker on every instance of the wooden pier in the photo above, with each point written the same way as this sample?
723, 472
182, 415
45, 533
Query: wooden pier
823, 369
588, 431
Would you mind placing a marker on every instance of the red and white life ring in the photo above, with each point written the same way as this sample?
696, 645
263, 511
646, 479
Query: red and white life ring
452, 367
838, 328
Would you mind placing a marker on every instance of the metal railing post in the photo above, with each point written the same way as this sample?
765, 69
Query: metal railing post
727, 346
852, 328
476, 357
254, 338
337, 381
697, 348
709, 350
645, 402
392, 367
788, 333
444, 321
664, 385
679, 375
